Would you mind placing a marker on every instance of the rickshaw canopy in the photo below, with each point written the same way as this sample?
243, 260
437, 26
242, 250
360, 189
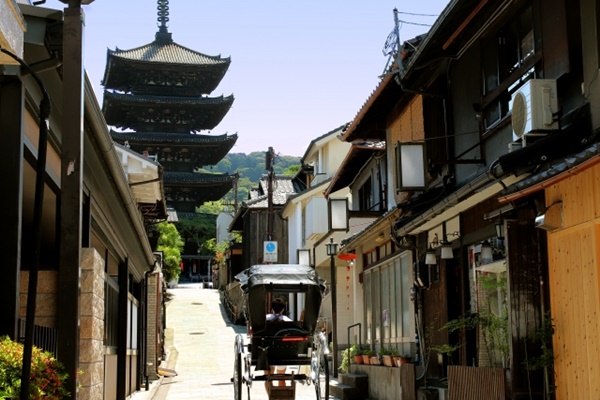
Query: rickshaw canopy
260, 282
278, 274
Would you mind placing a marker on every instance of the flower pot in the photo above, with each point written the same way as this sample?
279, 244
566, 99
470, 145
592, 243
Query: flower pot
375, 360
396, 360
404, 360
366, 359
388, 361
358, 359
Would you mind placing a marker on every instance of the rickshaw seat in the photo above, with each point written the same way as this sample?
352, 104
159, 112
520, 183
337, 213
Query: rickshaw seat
284, 328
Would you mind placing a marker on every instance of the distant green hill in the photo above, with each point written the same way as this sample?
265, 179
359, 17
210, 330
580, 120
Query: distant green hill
251, 167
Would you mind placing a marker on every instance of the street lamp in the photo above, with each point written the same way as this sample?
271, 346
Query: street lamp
338, 221
332, 252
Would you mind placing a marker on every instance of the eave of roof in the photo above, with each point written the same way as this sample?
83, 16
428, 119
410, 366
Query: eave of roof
319, 141
350, 133
559, 171
168, 137
196, 179
357, 157
163, 52
147, 100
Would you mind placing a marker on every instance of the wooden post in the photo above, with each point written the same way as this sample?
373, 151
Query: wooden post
71, 195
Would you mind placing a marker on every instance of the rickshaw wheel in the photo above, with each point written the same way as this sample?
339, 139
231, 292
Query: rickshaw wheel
237, 376
322, 379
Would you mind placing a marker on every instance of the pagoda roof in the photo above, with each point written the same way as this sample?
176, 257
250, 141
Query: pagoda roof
163, 66
195, 179
199, 150
183, 139
169, 52
148, 113
186, 190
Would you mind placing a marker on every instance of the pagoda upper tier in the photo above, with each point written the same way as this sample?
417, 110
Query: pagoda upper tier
182, 72
178, 151
148, 113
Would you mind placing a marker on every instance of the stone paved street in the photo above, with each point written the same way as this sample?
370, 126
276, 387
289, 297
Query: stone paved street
200, 340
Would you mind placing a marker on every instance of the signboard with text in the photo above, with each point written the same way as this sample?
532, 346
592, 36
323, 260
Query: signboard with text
270, 251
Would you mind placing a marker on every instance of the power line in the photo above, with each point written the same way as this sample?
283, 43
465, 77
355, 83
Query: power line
413, 23
418, 15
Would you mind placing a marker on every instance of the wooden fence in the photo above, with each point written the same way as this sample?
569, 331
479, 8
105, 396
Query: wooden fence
476, 383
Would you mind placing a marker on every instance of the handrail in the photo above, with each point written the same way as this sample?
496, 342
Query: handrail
359, 333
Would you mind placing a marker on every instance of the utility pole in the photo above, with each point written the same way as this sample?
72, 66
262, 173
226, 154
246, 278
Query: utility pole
270, 160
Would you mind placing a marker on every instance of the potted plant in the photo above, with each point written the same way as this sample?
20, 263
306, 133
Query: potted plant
405, 359
346, 356
386, 355
366, 354
356, 353
375, 358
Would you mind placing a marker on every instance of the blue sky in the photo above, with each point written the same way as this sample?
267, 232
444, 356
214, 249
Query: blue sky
298, 69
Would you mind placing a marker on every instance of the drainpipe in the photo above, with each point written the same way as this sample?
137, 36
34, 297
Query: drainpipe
40, 174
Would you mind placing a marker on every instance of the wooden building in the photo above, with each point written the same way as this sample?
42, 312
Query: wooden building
492, 149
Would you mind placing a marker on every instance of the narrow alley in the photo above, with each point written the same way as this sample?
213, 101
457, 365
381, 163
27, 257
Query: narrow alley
200, 342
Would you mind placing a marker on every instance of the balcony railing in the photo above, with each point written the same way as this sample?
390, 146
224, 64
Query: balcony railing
44, 338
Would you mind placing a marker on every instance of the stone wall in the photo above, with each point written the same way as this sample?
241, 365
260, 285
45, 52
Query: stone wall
91, 335
154, 326
46, 298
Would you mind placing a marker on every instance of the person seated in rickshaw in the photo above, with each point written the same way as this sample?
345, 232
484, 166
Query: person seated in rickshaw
277, 311
277, 314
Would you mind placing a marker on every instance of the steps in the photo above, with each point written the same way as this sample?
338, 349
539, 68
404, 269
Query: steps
349, 387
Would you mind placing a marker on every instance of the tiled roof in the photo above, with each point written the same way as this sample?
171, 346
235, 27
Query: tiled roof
165, 137
337, 131
555, 169
171, 100
151, 113
193, 177
283, 187
360, 153
167, 52
172, 215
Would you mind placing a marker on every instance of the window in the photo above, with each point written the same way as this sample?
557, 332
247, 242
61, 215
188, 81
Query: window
389, 317
365, 195
410, 166
507, 57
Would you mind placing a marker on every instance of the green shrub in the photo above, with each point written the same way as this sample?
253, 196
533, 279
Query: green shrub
47, 379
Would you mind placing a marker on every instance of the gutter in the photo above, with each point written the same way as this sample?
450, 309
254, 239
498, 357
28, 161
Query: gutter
478, 184
100, 131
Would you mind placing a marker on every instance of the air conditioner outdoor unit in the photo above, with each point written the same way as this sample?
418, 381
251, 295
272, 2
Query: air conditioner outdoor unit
533, 108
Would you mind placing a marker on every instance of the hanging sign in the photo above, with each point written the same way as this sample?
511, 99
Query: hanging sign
270, 251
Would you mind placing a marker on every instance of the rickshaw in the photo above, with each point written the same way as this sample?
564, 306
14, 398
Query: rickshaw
298, 344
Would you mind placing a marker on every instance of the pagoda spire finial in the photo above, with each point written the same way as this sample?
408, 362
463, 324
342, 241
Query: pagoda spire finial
163, 18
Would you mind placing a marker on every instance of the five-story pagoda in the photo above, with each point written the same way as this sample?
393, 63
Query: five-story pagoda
157, 96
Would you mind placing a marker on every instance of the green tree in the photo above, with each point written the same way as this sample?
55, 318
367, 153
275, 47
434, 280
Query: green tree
292, 169
170, 243
210, 207
220, 249
197, 230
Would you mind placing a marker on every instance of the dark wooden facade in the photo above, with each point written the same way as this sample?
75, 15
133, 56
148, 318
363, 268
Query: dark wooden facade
454, 96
